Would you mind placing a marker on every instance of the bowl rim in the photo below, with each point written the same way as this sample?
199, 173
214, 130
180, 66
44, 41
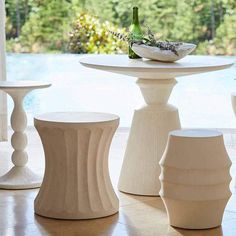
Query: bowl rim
147, 46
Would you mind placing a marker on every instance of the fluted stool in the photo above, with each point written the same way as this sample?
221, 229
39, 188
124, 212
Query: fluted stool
76, 182
195, 178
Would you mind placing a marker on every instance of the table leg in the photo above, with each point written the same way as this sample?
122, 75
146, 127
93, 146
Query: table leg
20, 176
148, 137
233, 101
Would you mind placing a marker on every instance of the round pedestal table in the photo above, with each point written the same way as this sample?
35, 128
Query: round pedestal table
151, 123
20, 176
76, 182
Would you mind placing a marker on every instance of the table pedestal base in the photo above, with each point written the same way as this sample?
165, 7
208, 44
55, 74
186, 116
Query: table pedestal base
20, 178
148, 137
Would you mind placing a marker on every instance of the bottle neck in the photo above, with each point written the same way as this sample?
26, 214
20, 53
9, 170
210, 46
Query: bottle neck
135, 16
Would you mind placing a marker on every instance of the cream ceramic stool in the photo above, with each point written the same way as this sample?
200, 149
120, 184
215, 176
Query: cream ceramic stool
195, 178
76, 182
20, 176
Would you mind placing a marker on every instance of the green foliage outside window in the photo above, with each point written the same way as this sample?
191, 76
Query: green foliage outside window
45, 25
46, 29
89, 35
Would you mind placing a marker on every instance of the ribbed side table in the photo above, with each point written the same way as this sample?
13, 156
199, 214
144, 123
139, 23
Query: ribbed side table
76, 182
195, 178
20, 176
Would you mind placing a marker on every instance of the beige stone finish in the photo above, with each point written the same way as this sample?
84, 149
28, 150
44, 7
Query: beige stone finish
194, 194
147, 140
76, 182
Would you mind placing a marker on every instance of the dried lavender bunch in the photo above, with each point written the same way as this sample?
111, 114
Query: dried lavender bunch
120, 36
149, 40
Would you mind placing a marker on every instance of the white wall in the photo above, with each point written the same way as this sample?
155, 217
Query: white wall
3, 101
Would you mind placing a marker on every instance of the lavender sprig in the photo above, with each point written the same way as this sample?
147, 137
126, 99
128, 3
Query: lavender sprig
149, 40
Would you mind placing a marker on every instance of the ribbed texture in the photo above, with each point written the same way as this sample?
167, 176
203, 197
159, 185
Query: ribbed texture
195, 181
146, 144
76, 183
148, 137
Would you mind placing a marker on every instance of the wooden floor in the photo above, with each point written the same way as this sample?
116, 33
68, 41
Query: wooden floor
138, 215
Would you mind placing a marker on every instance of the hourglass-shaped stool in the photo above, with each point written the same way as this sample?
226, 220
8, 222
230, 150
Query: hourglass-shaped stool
20, 176
76, 183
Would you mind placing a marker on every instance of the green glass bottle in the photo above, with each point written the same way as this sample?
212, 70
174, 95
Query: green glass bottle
136, 32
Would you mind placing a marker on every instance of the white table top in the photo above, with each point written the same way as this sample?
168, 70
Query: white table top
144, 68
195, 133
76, 117
23, 84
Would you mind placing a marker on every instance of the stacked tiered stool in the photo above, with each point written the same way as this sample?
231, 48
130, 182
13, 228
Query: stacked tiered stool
76, 182
195, 178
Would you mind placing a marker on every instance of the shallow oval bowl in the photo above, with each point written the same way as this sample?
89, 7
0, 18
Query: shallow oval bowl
155, 53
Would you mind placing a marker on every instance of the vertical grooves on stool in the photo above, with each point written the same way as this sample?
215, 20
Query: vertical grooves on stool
111, 195
77, 182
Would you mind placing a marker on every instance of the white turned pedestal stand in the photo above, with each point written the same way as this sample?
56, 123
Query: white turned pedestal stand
20, 176
152, 123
